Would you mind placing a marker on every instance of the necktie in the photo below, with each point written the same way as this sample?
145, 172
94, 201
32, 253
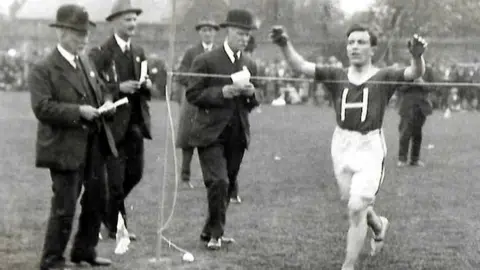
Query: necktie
78, 66
126, 50
236, 61
83, 78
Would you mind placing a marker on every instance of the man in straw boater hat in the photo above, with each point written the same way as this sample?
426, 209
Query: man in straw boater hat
120, 62
73, 139
221, 129
207, 29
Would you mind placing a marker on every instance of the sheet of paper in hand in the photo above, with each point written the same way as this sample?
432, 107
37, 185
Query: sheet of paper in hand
241, 77
143, 71
117, 103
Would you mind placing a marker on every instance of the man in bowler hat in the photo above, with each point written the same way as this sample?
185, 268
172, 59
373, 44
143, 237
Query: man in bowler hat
221, 129
72, 139
119, 62
206, 28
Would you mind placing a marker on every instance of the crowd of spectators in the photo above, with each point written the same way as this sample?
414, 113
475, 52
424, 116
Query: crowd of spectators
442, 96
12, 71
457, 97
276, 88
14, 66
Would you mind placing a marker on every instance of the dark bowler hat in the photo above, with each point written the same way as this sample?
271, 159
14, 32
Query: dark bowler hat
121, 7
239, 18
73, 17
207, 22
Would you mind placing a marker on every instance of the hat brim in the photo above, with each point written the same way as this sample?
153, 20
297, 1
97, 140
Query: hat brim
131, 10
82, 28
214, 26
238, 25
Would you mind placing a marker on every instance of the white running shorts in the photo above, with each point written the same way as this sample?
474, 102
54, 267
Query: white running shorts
358, 162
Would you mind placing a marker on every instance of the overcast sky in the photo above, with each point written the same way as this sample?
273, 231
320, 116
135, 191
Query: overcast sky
352, 6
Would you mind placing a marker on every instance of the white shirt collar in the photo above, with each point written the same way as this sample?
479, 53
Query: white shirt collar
207, 47
67, 55
122, 43
230, 52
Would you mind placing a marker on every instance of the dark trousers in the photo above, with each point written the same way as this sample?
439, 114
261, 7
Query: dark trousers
124, 173
187, 155
411, 134
66, 187
220, 164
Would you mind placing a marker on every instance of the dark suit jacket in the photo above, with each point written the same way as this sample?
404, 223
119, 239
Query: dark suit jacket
187, 110
187, 61
104, 59
214, 111
415, 98
56, 95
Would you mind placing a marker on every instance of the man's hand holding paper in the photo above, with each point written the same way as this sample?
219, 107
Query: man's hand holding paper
144, 78
247, 90
109, 108
129, 87
234, 90
147, 83
241, 81
231, 91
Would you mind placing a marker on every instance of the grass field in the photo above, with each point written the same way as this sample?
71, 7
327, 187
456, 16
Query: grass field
291, 217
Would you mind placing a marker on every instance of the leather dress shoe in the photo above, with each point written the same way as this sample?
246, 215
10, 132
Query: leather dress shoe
206, 238
97, 261
417, 163
236, 200
57, 266
214, 244
132, 236
188, 184
401, 164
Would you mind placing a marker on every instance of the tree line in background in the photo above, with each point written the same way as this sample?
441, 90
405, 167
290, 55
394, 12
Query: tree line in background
316, 23
323, 21
324, 18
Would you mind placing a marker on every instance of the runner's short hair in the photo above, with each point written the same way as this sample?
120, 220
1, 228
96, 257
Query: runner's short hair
362, 28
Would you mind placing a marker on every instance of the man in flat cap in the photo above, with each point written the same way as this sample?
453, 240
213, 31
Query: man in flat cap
72, 139
207, 29
221, 129
120, 63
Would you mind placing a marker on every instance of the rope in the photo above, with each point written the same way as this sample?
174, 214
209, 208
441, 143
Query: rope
165, 224
291, 79
175, 159
171, 244
170, 127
